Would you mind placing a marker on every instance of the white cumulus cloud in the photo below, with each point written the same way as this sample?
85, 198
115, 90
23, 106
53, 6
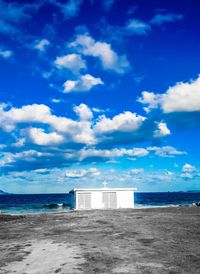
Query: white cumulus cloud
73, 62
110, 60
76, 131
125, 122
84, 83
150, 99
162, 130
83, 112
39, 137
182, 97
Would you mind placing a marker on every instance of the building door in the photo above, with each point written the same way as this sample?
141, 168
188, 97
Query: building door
109, 200
84, 200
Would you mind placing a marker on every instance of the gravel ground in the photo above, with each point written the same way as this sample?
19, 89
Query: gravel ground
153, 240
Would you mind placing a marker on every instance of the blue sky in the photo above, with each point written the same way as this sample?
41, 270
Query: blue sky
94, 91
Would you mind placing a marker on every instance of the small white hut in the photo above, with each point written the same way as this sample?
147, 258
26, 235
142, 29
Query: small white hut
103, 198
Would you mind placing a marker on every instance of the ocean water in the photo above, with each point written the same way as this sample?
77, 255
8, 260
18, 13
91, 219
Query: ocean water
41, 203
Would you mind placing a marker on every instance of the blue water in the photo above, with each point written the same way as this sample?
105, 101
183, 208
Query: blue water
35, 203
41, 203
145, 199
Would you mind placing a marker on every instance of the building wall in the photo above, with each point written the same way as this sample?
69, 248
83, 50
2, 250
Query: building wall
96, 199
97, 202
125, 199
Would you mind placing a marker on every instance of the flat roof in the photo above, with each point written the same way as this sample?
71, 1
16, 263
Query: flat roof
103, 189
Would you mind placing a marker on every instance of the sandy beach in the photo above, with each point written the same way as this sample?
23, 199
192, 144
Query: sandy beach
152, 240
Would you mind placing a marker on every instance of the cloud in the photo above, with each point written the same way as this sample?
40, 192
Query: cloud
123, 128
73, 62
41, 45
51, 158
29, 113
125, 122
140, 177
27, 155
189, 172
160, 19
138, 27
84, 83
186, 175
169, 173
162, 130
39, 137
34, 134
56, 100
136, 171
83, 112
69, 9
119, 33
128, 128
166, 151
111, 153
100, 110
6, 54
19, 143
12, 14
151, 99
74, 131
182, 97
109, 59
188, 168
76, 174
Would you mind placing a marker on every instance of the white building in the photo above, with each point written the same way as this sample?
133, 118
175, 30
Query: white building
103, 198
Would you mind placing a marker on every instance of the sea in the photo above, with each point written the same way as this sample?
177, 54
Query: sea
44, 203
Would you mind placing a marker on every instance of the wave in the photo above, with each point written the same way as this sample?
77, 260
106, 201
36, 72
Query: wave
54, 205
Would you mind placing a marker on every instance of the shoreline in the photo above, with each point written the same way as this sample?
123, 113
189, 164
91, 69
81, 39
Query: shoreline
71, 210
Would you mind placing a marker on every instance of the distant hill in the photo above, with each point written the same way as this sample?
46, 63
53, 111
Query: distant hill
3, 193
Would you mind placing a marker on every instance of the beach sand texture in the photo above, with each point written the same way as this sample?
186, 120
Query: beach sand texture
156, 240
